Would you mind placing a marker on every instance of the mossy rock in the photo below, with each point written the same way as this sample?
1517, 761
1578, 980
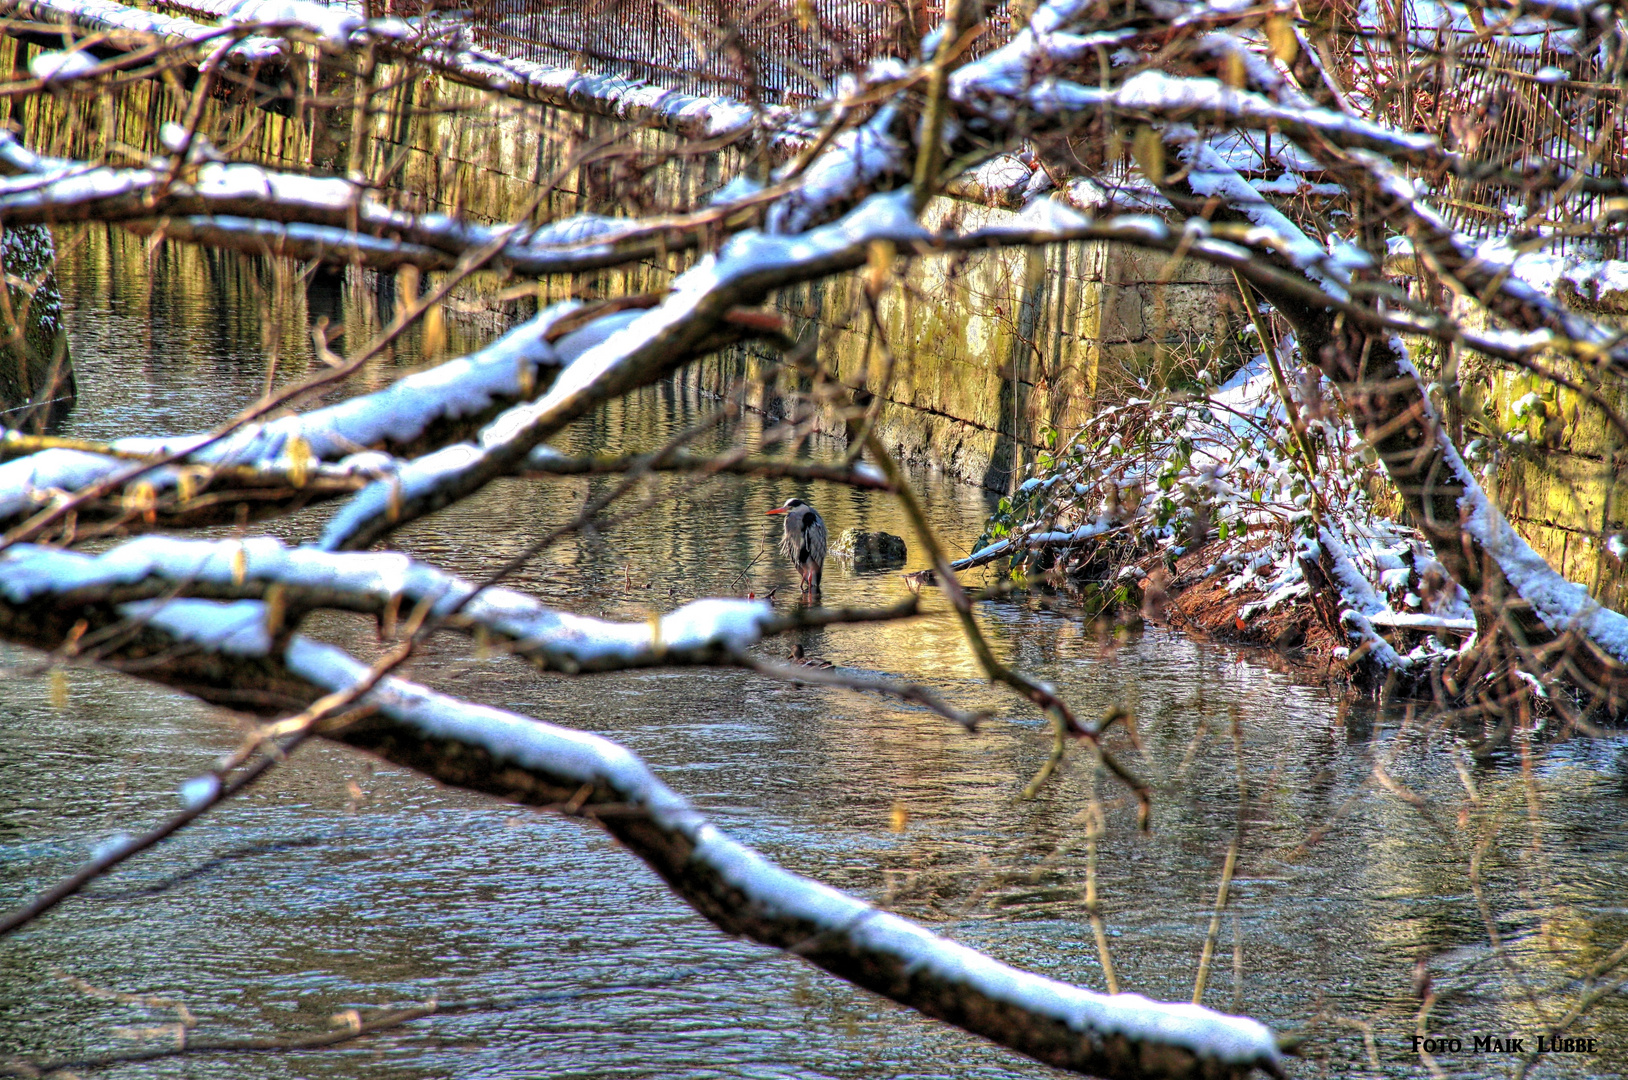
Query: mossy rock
869, 550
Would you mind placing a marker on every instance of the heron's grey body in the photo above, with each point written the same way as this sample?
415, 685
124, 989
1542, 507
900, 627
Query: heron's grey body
804, 542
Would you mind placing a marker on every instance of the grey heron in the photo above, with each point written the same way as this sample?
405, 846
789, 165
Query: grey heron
804, 542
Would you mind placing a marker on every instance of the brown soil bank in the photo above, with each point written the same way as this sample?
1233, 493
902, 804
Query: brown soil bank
1300, 635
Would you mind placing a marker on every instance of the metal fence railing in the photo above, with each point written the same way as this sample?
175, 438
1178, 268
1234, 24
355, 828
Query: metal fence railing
1522, 96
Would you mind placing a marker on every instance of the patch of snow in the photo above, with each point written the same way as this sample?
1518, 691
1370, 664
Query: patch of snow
199, 791
741, 187
102, 16
1417, 620
1051, 215
333, 23
115, 845
236, 629
855, 159
866, 471
61, 66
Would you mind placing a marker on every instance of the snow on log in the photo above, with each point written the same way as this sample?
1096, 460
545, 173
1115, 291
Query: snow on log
1420, 620
1035, 540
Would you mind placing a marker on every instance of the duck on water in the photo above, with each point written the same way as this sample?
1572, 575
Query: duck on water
804, 542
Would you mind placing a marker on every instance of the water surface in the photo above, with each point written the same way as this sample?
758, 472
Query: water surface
339, 883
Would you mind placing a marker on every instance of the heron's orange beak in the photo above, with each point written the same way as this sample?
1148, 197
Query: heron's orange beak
777, 510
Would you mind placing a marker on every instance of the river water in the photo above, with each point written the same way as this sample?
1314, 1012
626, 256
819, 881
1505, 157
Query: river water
341, 884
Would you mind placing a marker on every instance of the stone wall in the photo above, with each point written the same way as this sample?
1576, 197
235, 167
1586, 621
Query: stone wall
1561, 479
979, 359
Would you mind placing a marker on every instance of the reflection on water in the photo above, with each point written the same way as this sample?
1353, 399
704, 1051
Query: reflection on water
338, 884
178, 338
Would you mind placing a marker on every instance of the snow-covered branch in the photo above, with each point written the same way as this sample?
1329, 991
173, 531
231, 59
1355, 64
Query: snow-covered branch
443, 47
232, 652
1111, 1036
639, 348
384, 585
1030, 76
1561, 606
262, 210
130, 27
1154, 95
365, 436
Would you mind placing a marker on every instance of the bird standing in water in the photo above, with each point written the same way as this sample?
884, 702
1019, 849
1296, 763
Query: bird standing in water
804, 543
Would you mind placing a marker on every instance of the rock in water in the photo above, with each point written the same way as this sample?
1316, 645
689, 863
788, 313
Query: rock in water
869, 550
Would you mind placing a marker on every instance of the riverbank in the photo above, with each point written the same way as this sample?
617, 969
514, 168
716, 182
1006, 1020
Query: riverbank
1185, 510
1287, 636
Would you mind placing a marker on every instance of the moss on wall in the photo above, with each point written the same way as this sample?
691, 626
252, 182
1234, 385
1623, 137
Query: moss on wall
980, 359
1554, 463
